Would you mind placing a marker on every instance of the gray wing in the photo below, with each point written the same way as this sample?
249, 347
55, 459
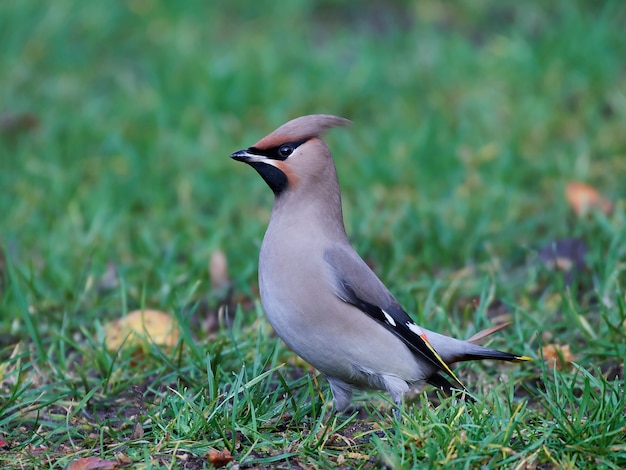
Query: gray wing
356, 284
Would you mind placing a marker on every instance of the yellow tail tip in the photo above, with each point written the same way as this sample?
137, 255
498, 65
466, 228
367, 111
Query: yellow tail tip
522, 359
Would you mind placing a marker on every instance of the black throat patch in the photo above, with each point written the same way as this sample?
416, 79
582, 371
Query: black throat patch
275, 178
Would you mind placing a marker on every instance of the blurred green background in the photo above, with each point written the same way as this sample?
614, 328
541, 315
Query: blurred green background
117, 120
469, 119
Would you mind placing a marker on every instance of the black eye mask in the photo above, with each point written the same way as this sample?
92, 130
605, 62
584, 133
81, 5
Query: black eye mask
281, 152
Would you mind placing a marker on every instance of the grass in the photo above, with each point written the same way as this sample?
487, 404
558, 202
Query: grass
116, 122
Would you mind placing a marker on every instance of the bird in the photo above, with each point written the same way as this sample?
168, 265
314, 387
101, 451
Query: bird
321, 298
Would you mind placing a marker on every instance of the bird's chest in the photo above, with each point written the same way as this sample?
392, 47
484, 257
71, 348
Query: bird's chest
293, 284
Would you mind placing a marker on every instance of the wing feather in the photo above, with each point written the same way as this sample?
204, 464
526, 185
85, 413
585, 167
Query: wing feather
355, 283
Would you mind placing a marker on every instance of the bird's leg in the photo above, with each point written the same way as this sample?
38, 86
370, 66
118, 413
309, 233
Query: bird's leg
397, 413
342, 393
396, 388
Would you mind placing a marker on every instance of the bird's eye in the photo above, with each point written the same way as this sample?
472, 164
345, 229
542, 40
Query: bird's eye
285, 150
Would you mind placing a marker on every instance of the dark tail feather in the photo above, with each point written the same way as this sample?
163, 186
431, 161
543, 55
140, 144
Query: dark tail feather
478, 353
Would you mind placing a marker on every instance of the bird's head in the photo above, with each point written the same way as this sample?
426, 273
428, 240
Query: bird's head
293, 155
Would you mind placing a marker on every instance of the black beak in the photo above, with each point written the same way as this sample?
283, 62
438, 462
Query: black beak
241, 156
273, 176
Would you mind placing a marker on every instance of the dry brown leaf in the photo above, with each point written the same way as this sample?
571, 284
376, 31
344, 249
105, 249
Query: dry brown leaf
558, 355
142, 325
219, 458
16, 123
138, 431
564, 254
479, 337
122, 458
218, 270
583, 198
92, 463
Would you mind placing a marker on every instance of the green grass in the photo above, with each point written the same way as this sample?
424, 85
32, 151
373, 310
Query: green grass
116, 122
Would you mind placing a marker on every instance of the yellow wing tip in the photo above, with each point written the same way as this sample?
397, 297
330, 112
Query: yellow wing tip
443, 364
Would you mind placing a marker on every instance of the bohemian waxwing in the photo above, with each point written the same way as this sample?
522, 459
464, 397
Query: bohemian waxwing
325, 303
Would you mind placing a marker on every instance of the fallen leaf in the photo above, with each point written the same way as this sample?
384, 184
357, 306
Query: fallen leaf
142, 325
481, 336
218, 271
557, 355
122, 458
566, 255
583, 198
32, 450
92, 463
109, 279
3, 443
16, 123
219, 458
221, 302
138, 431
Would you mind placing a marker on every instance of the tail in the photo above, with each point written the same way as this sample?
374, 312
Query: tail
454, 350
472, 352
476, 352
458, 351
